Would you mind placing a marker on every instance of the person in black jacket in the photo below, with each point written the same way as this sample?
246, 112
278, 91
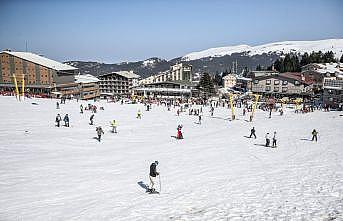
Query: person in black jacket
252, 133
152, 175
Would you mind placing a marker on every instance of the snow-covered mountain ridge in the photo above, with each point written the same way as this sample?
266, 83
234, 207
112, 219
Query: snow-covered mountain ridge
334, 45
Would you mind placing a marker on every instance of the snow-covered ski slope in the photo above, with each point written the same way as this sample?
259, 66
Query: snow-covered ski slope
215, 173
334, 45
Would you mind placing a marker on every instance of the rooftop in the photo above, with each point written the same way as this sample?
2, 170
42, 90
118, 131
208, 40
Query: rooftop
37, 59
87, 78
126, 74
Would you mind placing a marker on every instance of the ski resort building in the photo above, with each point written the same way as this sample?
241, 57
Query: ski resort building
118, 83
41, 75
166, 89
333, 92
282, 84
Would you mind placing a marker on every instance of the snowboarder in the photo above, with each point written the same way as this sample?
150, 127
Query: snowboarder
99, 132
152, 175
314, 135
58, 120
139, 114
267, 140
66, 120
91, 119
57, 105
179, 132
252, 133
81, 109
114, 126
274, 140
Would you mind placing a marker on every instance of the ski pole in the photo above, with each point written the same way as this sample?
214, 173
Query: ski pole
159, 176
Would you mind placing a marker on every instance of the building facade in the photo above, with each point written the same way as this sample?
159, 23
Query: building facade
333, 92
229, 81
41, 75
281, 84
118, 83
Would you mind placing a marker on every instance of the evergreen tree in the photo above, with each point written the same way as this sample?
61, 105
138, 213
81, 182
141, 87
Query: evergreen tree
258, 67
206, 85
341, 60
305, 59
218, 80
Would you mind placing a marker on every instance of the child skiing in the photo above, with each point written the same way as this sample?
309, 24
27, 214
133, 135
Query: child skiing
314, 135
114, 126
99, 131
66, 120
58, 120
179, 132
252, 133
139, 114
267, 140
152, 175
274, 140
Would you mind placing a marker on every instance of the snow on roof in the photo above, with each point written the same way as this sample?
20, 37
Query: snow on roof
127, 74
334, 45
46, 62
86, 78
330, 68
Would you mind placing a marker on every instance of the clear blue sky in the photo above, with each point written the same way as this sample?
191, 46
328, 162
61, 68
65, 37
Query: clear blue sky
128, 30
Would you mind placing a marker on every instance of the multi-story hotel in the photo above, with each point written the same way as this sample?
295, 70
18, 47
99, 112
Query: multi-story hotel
117, 83
41, 75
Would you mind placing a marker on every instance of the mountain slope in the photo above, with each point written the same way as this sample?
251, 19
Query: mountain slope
335, 45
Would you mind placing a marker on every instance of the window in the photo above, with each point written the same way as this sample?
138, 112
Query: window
268, 82
276, 82
267, 88
284, 82
276, 89
284, 89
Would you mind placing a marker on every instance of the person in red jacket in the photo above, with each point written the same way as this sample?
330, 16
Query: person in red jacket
179, 132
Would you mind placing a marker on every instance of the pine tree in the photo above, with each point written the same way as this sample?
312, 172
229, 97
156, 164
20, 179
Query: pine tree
218, 80
305, 59
258, 67
206, 85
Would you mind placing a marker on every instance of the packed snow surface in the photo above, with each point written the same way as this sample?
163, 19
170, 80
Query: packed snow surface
215, 173
334, 45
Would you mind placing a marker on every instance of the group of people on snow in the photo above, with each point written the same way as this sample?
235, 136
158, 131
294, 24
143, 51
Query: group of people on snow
59, 119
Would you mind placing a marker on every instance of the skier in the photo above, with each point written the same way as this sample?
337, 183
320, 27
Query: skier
212, 110
152, 175
66, 120
178, 112
267, 140
252, 133
179, 132
99, 132
81, 109
91, 119
58, 120
244, 111
114, 126
139, 115
314, 135
57, 105
274, 140
199, 119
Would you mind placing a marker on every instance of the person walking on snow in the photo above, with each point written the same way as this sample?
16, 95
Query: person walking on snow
314, 135
152, 176
274, 140
91, 119
81, 109
199, 118
57, 105
58, 120
66, 120
252, 133
267, 140
99, 131
114, 126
